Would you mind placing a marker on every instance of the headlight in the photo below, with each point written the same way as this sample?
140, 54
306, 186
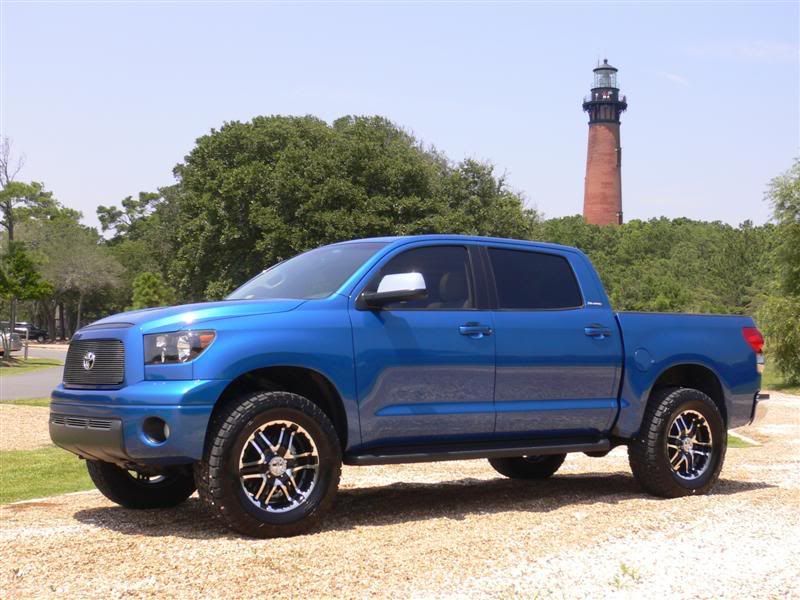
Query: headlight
175, 347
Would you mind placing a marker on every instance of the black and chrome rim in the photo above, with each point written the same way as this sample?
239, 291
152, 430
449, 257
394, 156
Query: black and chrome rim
690, 445
279, 466
536, 458
145, 479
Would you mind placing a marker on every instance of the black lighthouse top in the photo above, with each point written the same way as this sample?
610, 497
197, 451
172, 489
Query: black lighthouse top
604, 104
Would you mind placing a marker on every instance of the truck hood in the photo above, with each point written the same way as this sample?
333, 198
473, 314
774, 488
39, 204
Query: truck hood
189, 315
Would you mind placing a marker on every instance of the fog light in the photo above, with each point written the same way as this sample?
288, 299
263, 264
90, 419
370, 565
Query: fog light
155, 430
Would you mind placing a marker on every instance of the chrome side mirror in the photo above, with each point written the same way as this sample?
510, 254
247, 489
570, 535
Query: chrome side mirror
396, 287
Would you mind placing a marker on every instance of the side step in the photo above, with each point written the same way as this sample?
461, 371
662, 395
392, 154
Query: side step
415, 454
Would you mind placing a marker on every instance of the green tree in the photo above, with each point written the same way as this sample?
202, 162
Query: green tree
124, 220
149, 290
19, 279
780, 313
18, 201
74, 261
254, 193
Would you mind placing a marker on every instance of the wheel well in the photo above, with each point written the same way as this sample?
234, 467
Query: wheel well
697, 377
297, 380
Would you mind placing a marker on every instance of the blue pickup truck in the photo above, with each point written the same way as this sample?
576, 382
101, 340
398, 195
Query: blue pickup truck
395, 350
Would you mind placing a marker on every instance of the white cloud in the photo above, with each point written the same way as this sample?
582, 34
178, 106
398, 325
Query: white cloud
675, 78
760, 51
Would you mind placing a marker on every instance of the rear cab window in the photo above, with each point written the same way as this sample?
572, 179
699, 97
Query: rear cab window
531, 280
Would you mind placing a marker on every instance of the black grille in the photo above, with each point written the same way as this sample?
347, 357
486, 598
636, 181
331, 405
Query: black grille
108, 367
81, 422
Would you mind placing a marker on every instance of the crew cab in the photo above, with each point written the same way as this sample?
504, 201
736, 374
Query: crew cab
394, 350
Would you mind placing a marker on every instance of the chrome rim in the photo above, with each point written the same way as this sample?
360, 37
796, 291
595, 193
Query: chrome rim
536, 458
690, 445
279, 466
145, 479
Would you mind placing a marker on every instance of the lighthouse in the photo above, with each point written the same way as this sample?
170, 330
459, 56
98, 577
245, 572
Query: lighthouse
602, 197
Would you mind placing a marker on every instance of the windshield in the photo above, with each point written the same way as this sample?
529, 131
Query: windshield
314, 274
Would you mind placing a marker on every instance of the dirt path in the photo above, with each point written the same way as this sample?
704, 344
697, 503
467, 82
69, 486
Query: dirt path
445, 529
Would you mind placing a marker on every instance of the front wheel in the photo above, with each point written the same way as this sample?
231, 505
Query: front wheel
138, 490
272, 467
681, 446
528, 467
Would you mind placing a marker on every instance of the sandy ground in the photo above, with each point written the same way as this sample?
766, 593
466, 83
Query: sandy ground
443, 530
23, 427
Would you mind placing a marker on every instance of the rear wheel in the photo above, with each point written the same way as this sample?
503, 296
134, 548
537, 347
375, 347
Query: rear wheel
132, 489
681, 447
272, 467
528, 467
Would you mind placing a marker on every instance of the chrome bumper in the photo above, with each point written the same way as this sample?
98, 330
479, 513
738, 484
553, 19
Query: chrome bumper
759, 408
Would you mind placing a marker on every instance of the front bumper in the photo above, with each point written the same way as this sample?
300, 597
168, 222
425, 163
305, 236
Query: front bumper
759, 408
109, 425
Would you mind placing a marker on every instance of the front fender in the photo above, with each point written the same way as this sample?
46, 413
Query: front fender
316, 336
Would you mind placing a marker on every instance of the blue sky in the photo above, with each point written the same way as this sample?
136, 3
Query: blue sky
105, 98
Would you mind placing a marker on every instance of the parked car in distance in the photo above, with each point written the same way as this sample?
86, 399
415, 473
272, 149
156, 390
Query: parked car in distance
15, 341
28, 329
394, 350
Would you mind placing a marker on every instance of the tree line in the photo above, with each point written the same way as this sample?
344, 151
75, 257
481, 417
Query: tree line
251, 194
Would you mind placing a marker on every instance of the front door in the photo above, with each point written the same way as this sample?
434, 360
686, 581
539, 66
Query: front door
425, 368
558, 361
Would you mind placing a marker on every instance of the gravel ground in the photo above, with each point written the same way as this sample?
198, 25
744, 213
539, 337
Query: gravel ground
443, 530
23, 427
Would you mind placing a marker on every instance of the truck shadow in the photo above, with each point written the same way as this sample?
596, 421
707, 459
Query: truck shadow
408, 503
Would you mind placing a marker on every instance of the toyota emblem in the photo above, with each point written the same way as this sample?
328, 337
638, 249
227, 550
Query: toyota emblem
88, 361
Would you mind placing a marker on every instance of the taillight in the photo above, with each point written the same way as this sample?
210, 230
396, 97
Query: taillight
754, 338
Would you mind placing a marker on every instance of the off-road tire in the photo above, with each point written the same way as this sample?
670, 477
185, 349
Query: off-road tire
123, 488
223, 489
528, 467
647, 453
200, 468
200, 472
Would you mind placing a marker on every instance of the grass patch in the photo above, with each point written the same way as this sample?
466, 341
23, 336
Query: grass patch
14, 366
627, 575
26, 474
736, 442
772, 380
45, 402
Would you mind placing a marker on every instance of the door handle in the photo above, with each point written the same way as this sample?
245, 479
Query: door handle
598, 332
475, 330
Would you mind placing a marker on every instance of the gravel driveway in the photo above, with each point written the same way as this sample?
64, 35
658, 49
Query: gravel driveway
23, 427
442, 530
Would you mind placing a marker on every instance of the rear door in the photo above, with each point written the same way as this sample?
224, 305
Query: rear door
558, 360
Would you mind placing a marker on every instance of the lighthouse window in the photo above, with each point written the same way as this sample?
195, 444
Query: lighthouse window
533, 280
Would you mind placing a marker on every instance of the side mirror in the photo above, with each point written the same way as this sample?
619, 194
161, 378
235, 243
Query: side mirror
397, 287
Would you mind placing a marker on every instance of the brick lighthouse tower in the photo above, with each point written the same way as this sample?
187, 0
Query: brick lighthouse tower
602, 198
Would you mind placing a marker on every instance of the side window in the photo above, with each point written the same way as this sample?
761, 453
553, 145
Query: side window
447, 277
533, 280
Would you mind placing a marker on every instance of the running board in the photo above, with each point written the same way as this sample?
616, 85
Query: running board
393, 456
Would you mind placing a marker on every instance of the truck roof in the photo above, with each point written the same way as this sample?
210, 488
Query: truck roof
401, 239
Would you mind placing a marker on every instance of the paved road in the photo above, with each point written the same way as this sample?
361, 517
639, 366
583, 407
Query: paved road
46, 352
37, 384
